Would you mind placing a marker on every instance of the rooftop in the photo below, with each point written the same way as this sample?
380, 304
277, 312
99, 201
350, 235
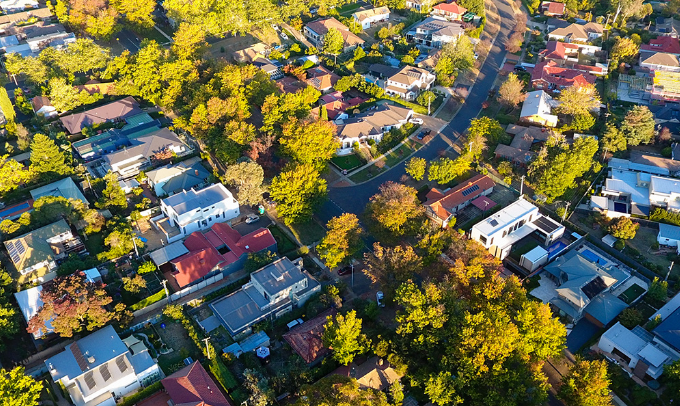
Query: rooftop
193, 386
452, 7
119, 109
305, 339
444, 203
499, 221
65, 188
146, 146
370, 13
33, 248
537, 103
278, 276
322, 26
669, 330
187, 201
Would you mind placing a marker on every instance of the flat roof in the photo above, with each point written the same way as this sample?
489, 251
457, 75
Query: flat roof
277, 276
547, 224
498, 221
626, 182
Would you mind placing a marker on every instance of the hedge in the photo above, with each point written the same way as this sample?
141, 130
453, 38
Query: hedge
142, 394
665, 216
149, 300
223, 375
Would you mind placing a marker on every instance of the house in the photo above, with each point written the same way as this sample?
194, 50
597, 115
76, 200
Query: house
665, 86
419, 6
665, 44
289, 84
251, 53
43, 107
665, 26
30, 303
144, 151
336, 105
370, 17
442, 205
306, 338
584, 283
409, 82
269, 68
170, 179
553, 8
35, 254
315, 32
321, 78
435, 32
218, 250
451, 11
16, 6
58, 40
370, 125
660, 61
375, 373
195, 210
498, 232
100, 368
272, 292
577, 33
430, 60
8, 20
8, 41
519, 151
638, 351
65, 188
110, 112
567, 54
548, 75
191, 385
654, 164
537, 109
669, 235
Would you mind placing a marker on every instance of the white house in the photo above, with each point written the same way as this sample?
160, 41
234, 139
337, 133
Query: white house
366, 18
15, 6
537, 108
434, 32
409, 82
498, 232
371, 125
660, 61
195, 210
315, 32
101, 368
43, 107
669, 235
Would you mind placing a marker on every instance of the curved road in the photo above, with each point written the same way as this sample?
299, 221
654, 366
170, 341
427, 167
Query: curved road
353, 199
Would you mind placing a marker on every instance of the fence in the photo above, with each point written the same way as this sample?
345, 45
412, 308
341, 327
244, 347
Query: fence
192, 289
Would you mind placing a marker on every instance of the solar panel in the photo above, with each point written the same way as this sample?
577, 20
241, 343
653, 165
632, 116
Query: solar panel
20, 247
470, 190
16, 259
120, 361
89, 380
106, 374
11, 248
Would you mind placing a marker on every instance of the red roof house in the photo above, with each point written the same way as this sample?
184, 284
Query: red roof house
548, 75
553, 8
451, 11
305, 339
559, 51
664, 43
190, 386
220, 248
442, 205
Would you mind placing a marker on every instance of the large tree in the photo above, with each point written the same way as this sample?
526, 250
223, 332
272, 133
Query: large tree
511, 93
343, 335
65, 97
138, 13
6, 106
342, 240
311, 143
623, 228
586, 384
47, 160
638, 125
19, 389
12, 174
113, 195
624, 50
297, 191
71, 304
396, 208
416, 167
578, 100
333, 42
248, 178
390, 267
613, 139
445, 170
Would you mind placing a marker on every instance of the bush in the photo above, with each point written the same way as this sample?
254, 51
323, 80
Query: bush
156, 297
619, 245
222, 373
667, 152
143, 394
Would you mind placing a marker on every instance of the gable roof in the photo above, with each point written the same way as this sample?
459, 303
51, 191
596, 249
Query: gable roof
574, 31
408, 75
119, 109
453, 8
550, 72
669, 231
305, 339
443, 203
436, 26
65, 188
43, 12
192, 386
557, 49
32, 248
321, 78
371, 12
663, 43
146, 146
663, 59
553, 7
375, 373
536, 103
371, 122
322, 26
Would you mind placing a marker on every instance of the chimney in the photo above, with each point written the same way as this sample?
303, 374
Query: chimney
90, 359
196, 172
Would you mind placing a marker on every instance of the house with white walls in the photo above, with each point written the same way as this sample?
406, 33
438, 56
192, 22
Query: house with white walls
409, 82
370, 125
669, 236
367, 18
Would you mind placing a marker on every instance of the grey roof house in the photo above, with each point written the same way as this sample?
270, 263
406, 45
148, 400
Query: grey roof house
63, 188
171, 179
272, 291
110, 112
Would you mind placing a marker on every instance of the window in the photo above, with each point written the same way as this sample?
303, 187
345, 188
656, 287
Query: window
504, 233
209, 218
491, 242
482, 239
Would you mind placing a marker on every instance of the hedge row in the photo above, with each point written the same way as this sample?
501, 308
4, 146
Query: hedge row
142, 394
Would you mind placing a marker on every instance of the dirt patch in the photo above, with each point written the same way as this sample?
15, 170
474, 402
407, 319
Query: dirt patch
226, 47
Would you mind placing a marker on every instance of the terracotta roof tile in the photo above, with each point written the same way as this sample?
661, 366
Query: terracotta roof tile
306, 339
662, 44
458, 195
452, 8
548, 71
193, 386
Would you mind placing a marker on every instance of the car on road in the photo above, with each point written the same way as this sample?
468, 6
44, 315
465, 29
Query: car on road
424, 134
380, 298
252, 218
283, 35
345, 270
520, 69
416, 120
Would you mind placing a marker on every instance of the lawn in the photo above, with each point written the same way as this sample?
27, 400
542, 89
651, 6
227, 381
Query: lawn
347, 162
367, 173
348, 9
643, 241
401, 153
175, 336
283, 242
95, 244
309, 232
632, 293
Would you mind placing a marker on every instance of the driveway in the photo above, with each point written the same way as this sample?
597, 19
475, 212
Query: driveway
353, 199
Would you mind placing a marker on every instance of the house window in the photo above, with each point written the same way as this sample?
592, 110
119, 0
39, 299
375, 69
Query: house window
482, 239
209, 218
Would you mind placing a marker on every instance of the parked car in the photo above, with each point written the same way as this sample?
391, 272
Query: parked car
520, 69
283, 35
416, 120
345, 270
252, 218
424, 134
380, 298
294, 323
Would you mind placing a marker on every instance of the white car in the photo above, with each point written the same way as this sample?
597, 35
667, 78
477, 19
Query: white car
380, 298
416, 120
252, 219
283, 35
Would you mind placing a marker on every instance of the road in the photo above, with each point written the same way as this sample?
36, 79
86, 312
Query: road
353, 199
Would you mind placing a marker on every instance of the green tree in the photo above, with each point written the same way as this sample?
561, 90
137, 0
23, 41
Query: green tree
12, 174
489, 128
188, 41
23, 138
248, 178
31, 67
390, 267
342, 240
586, 384
613, 139
658, 290
461, 53
134, 284
416, 167
359, 53
397, 393
445, 170
260, 392
396, 208
333, 42
623, 228
343, 335
511, 93
65, 97
258, 260
672, 373
624, 50
426, 98
475, 6
146, 267
311, 143
119, 240
638, 125
578, 100
337, 390
630, 318
138, 13
17, 388
47, 161
6, 106
113, 196
297, 191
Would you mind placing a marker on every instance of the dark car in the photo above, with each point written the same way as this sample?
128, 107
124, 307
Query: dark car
424, 134
345, 270
520, 69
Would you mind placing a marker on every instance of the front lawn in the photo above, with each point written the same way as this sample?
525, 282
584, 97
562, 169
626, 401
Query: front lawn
347, 162
95, 244
283, 242
309, 232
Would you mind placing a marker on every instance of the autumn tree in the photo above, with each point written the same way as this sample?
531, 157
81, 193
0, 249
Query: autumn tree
624, 50
396, 208
138, 13
578, 100
71, 304
94, 17
390, 267
188, 41
511, 93
12, 174
333, 42
623, 228
311, 143
638, 125
613, 139
342, 240
445, 170
297, 191
7, 107
17, 388
416, 168
343, 335
47, 160
113, 195
587, 383
134, 284
248, 178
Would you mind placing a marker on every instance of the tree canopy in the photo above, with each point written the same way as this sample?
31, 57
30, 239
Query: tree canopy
587, 383
342, 240
248, 178
296, 191
395, 208
638, 125
17, 388
47, 160
343, 335
511, 93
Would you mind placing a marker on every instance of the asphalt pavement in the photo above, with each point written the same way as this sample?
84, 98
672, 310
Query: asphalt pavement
353, 199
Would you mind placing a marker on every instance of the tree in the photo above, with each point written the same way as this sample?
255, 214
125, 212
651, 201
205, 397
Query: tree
664, 137
461, 53
146, 267
113, 195
511, 93
397, 393
257, 260
342, 240
390, 267
119, 240
613, 139
359, 53
6, 106
631, 317
445, 170
395, 207
416, 167
672, 373
47, 161
343, 336
12, 174
338, 390
333, 42
31, 67
138, 13
17, 388
582, 122
624, 50
188, 41
311, 143
426, 98
658, 290
135, 284
248, 178
65, 97
578, 100
586, 384
297, 190
489, 128
475, 6
72, 304
638, 125
514, 43
623, 228
23, 138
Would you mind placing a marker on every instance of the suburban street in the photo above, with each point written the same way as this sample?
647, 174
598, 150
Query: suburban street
353, 199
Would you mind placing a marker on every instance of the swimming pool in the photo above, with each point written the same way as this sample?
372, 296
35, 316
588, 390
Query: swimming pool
13, 209
592, 257
555, 249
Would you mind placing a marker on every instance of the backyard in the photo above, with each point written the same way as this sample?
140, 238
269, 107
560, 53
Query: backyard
174, 337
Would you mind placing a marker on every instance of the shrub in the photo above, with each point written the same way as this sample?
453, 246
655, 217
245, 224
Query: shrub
143, 394
619, 245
